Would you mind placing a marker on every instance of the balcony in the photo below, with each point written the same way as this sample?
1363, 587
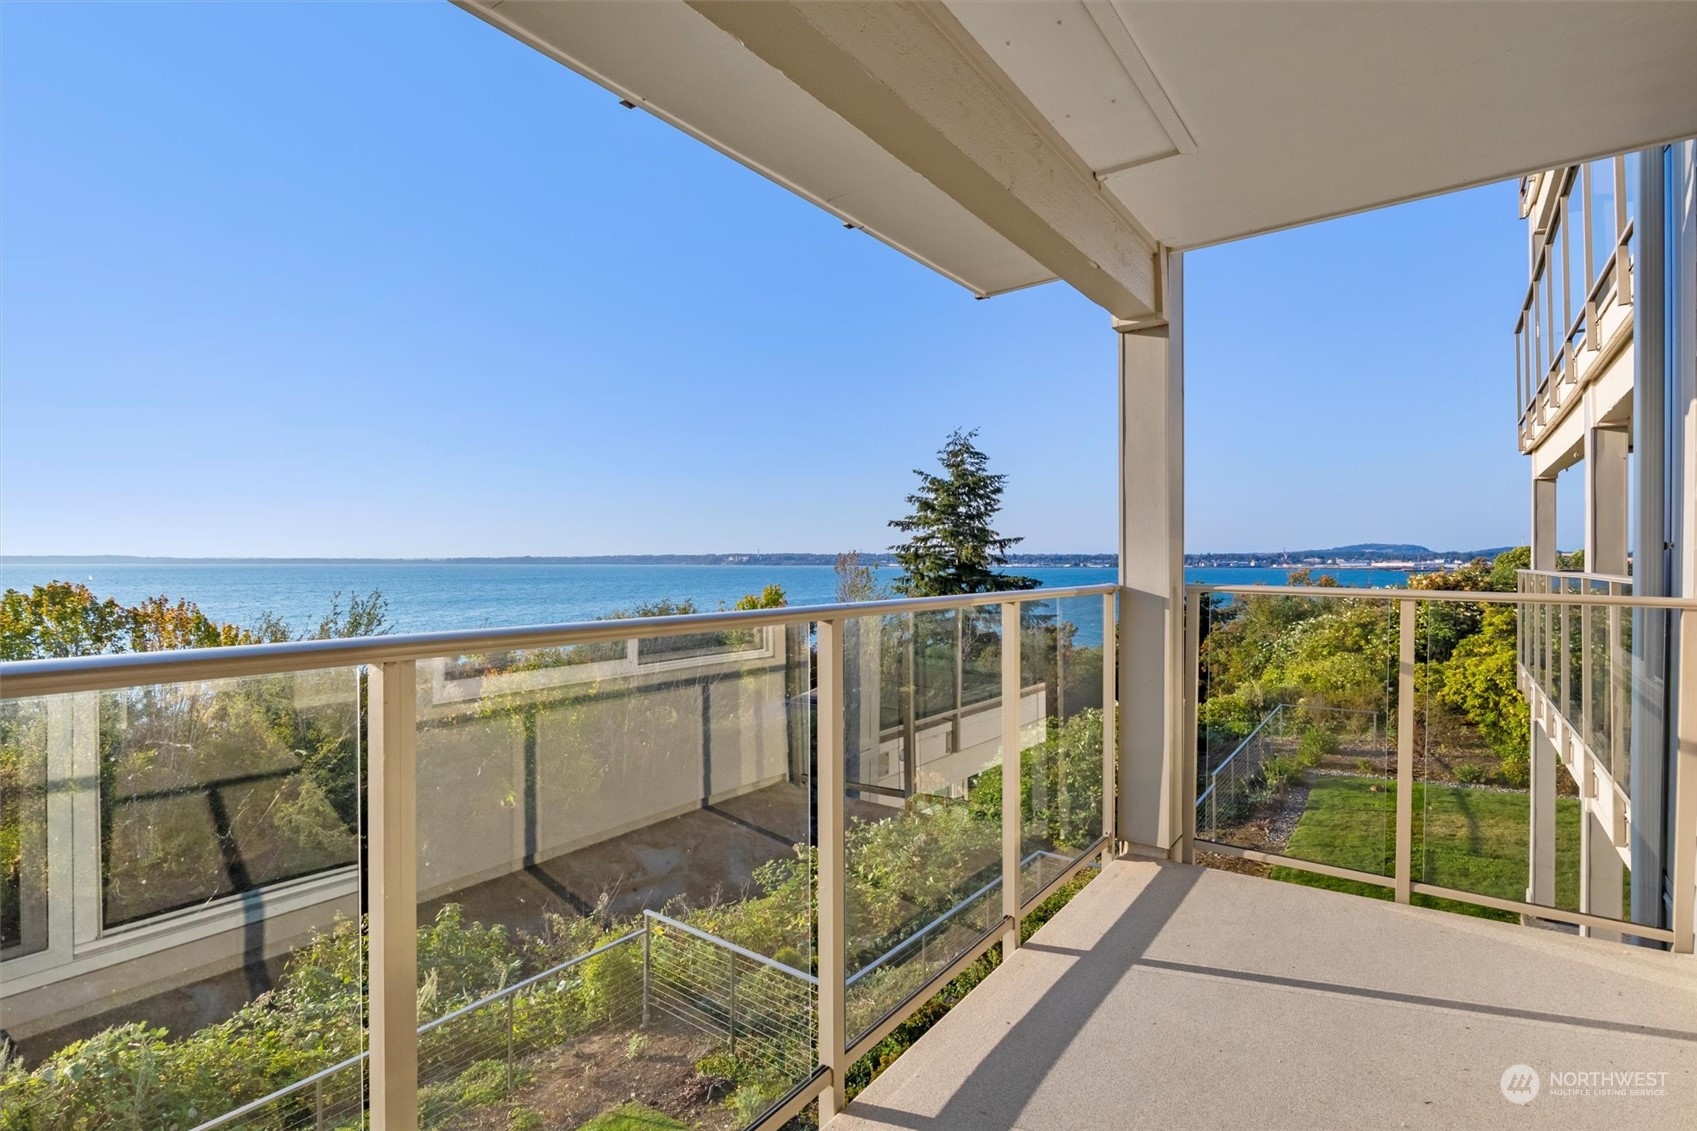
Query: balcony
704, 864
694, 870
1224, 1001
1575, 322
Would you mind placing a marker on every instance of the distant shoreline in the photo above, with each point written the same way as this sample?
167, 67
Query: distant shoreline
1386, 555
1048, 561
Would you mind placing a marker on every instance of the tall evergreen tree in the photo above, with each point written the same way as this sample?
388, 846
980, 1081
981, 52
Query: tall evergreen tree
951, 546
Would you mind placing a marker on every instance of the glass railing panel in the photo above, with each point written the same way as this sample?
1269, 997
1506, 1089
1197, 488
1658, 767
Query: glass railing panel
201, 905
1514, 804
1472, 792
1060, 736
1594, 622
923, 864
1573, 651
1548, 637
1296, 731
616, 876
1623, 688
936, 662
1577, 234
1604, 232
25, 872
881, 720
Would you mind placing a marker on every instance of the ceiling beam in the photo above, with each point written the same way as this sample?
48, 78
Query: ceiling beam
911, 79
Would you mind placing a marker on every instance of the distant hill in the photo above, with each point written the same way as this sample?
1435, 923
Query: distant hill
1358, 552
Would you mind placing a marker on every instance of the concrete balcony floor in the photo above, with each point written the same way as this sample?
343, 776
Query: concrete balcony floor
1170, 996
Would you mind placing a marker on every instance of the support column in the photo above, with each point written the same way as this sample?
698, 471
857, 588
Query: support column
1653, 570
392, 690
1151, 549
1013, 886
1601, 871
1541, 863
829, 786
1544, 523
1607, 500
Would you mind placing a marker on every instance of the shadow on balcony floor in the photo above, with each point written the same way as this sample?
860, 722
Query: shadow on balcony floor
1167, 995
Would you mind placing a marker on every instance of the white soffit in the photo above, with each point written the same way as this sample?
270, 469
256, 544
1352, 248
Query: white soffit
1304, 111
666, 58
1200, 122
1078, 65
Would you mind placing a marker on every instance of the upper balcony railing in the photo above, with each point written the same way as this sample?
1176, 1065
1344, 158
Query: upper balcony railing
714, 858
1577, 663
1576, 312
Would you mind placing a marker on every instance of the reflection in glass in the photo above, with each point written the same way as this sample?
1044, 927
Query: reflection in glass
24, 870
922, 855
1061, 736
616, 869
200, 843
215, 789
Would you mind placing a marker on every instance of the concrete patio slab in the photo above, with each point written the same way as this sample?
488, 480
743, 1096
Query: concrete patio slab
1166, 995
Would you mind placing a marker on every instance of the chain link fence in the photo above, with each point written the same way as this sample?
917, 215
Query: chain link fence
1231, 791
474, 1059
763, 1011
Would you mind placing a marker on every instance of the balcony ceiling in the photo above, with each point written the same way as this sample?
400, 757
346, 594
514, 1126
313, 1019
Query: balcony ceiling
1007, 144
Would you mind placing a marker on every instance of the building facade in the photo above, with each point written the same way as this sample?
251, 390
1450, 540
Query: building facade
1605, 408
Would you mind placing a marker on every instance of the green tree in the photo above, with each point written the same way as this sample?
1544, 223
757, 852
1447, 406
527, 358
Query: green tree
952, 546
158, 625
857, 580
60, 619
364, 616
771, 597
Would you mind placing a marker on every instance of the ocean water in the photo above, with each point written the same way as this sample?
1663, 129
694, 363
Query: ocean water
429, 596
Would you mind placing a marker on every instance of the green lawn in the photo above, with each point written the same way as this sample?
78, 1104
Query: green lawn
1469, 839
633, 1116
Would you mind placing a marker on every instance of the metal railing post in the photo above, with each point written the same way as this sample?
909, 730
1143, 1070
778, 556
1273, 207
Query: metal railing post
829, 784
1192, 677
647, 962
1012, 881
1110, 717
510, 999
1683, 873
1587, 685
318, 1104
731, 999
1405, 751
393, 902
1620, 697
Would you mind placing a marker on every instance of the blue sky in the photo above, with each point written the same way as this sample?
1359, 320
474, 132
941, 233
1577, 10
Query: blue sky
363, 279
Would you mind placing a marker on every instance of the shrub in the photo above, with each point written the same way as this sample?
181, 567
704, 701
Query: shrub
1470, 773
612, 982
1221, 716
1315, 746
1515, 770
1282, 771
1366, 767
485, 1082
521, 1118
749, 1101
